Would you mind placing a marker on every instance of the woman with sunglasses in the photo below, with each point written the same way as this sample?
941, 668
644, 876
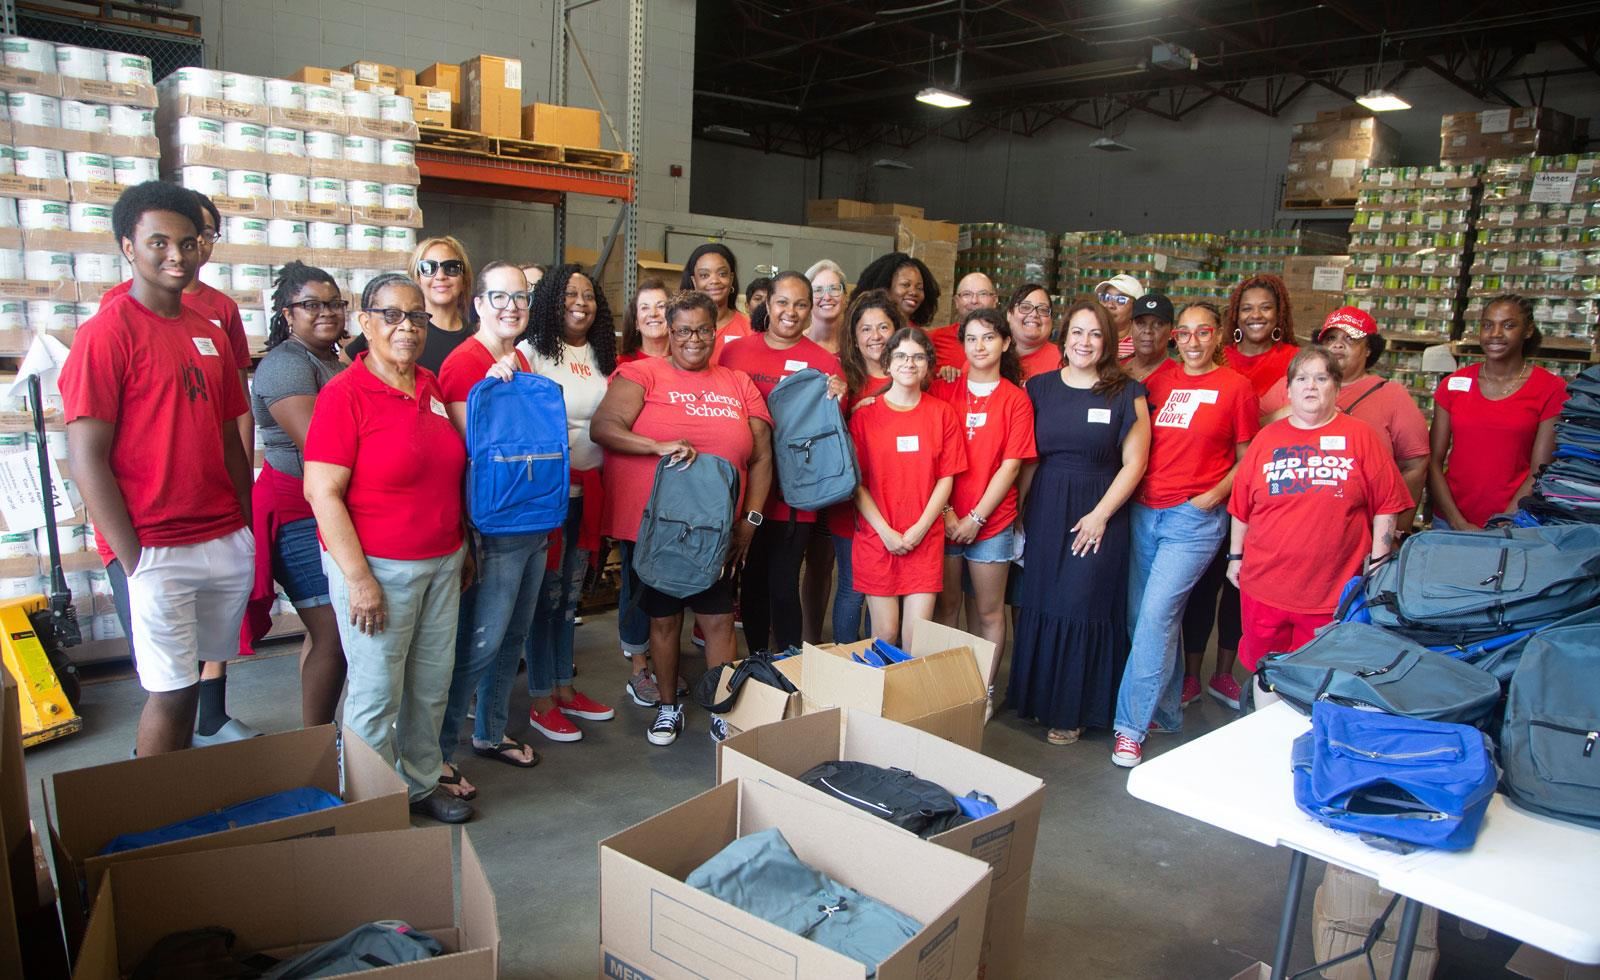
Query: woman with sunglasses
308, 318
1260, 329
680, 406
444, 276
383, 470
910, 448
827, 305
1028, 315
569, 340
1117, 296
1202, 420
873, 318
713, 270
497, 608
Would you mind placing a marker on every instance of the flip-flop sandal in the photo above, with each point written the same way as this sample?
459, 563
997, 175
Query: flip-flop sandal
1062, 736
447, 779
498, 753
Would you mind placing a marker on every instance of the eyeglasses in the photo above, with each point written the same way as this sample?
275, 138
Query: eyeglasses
454, 268
833, 290
392, 316
972, 297
1200, 333
316, 306
1108, 298
1029, 309
901, 357
684, 333
500, 299
210, 237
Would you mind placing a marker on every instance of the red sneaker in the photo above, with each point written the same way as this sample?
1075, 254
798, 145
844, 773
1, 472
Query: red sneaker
1127, 752
585, 707
1191, 689
554, 725
1225, 689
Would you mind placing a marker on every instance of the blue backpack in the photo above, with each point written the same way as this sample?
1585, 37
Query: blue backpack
687, 525
810, 443
517, 455
1393, 779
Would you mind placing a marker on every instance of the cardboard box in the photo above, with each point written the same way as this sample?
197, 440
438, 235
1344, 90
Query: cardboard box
174, 156
491, 96
23, 80
374, 71
441, 75
307, 120
902, 210
836, 209
163, 789
39, 188
1533, 962
219, 109
325, 76
285, 897
31, 944
779, 753
1345, 907
760, 704
430, 106
943, 691
561, 124
654, 925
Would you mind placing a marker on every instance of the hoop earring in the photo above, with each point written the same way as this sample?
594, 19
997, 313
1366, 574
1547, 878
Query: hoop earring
1238, 335
1277, 334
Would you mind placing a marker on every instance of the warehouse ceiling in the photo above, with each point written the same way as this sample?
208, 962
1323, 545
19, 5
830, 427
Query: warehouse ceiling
804, 76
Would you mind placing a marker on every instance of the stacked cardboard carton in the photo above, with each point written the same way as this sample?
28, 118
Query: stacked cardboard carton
1010, 255
1251, 251
1328, 154
1316, 288
1497, 134
933, 242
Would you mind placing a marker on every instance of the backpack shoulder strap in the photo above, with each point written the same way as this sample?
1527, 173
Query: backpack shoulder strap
1364, 396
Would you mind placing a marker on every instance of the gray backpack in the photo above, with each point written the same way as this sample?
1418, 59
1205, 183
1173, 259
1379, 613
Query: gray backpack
687, 525
1362, 666
1548, 745
811, 443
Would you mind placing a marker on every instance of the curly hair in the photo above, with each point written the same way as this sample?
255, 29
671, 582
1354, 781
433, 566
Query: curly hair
712, 248
293, 277
880, 275
918, 336
761, 319
632, 340
1217, 357
548, 309
856, 376
1010, 361
1530, 346
1280, 299
154, 195
1111, 376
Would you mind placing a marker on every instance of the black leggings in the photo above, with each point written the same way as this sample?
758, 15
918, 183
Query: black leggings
769, 590
1205, 610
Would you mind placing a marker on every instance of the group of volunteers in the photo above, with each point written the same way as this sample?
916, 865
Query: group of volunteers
1125, 477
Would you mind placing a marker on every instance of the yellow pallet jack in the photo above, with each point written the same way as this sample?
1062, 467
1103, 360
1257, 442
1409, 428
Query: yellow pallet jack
34, 629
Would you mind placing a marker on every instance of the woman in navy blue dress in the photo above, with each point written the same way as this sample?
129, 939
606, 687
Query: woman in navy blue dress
1092, 429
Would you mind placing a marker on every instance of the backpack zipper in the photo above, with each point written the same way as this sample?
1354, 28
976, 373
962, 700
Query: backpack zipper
805, 444
527, 458
854, 799
1589, 737
1369, 754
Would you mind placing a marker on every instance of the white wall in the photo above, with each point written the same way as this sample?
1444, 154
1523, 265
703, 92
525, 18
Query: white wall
1219, 168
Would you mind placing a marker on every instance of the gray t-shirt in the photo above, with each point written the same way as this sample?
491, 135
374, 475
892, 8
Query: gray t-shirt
287, 370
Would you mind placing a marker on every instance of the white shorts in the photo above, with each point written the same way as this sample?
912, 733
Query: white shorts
187, 602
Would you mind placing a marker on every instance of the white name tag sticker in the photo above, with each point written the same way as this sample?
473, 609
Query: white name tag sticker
789, 367
977, 420
1458, 384
205, 346
438, 408
906, 444
1332, 442
1100, 416
1206, 396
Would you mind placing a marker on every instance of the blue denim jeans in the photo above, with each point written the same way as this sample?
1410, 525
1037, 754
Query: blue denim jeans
633, 626
495, 615
1171, 548
549, 646
847, 602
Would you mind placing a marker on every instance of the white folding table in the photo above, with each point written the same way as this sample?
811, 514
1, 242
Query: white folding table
1527, 876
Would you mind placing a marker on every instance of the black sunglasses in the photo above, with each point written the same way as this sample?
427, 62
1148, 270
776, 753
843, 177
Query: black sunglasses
450, 267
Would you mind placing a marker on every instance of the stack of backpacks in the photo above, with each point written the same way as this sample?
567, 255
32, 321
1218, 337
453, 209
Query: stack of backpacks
1568, 490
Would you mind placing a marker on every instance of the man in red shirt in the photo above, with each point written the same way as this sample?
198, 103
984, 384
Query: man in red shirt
975, 291
151, 395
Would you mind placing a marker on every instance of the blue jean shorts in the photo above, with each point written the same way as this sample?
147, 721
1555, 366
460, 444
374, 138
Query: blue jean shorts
297, 564
985, 551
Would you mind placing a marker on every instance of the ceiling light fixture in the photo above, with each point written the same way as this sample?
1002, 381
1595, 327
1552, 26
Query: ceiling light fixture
943, 98
889, 163
717, 129
1382, 100
1110, 145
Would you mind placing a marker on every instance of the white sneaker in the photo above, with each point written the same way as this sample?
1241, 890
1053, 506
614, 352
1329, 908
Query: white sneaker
668, 725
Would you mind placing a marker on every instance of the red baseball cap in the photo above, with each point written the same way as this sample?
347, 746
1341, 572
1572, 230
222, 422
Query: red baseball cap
1356, 323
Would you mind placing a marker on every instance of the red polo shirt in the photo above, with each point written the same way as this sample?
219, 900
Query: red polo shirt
405, 460
169, 386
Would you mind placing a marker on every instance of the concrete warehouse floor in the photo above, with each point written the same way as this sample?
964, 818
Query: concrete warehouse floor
1121, 888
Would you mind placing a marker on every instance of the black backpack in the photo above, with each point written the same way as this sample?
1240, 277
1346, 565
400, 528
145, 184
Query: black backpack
757, 667
897, 796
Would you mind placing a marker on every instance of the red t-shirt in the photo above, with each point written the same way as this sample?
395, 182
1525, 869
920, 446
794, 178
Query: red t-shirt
637, 355
213, 304
1045, 359
1261, 370
1196, 425
405, 459
1386, 407
168, 386
711, 408
1491, 442
766, 367
902, 454
947, 349
1125, 348
736, 329
466, 366
1309, 496
841, 517
998, 427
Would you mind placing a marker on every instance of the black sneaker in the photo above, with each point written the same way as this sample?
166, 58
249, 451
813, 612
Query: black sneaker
719, 729
668, 725
443, 807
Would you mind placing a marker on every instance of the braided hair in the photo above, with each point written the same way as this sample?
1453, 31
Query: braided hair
761, 316
291, 279
548, 308
1217, 357
1530, 345
1280, 299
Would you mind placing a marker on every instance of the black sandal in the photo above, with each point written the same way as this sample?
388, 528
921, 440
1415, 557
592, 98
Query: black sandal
498, 753
448, 779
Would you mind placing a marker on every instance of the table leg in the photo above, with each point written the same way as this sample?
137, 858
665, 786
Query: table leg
1291, 913
1406, 941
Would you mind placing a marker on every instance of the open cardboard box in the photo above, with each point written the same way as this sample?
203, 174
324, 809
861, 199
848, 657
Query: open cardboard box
654, 925
778, 754
285, 897
86, 808
942, 691
761, 704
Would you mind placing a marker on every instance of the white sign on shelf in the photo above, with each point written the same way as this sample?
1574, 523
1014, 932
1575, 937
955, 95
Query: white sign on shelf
1327, 278
1553, 188
1494, 121
21, 497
